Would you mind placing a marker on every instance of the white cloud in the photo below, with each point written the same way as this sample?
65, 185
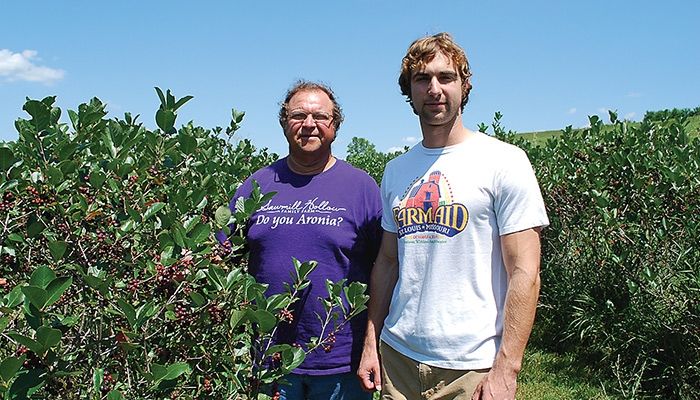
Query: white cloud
410, 139
630, 115
572, 110
393, 149
21, 67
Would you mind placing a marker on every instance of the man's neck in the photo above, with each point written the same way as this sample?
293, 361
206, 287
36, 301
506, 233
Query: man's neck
436, 136
310, 166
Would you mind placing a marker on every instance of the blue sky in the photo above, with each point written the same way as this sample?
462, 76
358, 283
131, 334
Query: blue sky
543, 64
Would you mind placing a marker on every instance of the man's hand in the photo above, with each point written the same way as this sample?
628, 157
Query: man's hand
496, 385
369, 372
382, 282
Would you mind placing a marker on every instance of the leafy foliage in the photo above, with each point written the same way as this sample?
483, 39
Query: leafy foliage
112, 283
621, 267
363, 154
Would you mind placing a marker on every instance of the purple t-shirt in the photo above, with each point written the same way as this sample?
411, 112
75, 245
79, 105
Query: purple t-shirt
334, 218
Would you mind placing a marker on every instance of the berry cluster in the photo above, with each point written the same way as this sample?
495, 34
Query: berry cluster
7, 202
63, 228
184, 315
216, 314
220, 252
107, 382
329, 342
133, 285
34, 196
7, 260
178, 272
206, 386
286, 315
32, 361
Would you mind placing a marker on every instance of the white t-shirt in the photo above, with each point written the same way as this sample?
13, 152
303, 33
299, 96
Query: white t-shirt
449, 206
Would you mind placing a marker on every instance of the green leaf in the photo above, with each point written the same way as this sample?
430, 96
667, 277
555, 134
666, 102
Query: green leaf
55, 175
152, 210
66, 151
7, 158
27, 342
42, 276
35, 229
14, 298
27, 384
4, 321
37, 296
216, 277
127, 226
165, 119
158, 372
10, 366
115, 395
163, 104
264, 319
97, 179
181, 102
197, 298
56, 289
222, 216
40, 112
177, 235
292, 358
236, 317
170, 315
303, 269
129, 312
8, 185
97, 377
48, 337
192, 222
145, 312
175, 370
74, 119
187, 143
57, 249
200, 233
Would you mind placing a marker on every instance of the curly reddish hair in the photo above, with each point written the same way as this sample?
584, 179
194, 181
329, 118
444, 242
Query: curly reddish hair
423, 51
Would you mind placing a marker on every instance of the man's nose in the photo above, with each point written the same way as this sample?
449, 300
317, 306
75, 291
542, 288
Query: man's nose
434, 86
309, 122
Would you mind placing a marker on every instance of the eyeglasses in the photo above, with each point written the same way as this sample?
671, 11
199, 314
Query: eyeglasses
319, 117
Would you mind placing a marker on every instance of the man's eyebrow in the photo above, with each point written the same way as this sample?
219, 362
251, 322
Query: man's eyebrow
447, 73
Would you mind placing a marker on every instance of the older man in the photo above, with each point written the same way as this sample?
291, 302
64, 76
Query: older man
324, 210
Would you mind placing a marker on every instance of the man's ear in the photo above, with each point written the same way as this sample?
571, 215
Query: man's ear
467, 86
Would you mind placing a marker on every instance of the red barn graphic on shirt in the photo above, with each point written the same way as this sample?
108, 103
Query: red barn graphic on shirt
428, 207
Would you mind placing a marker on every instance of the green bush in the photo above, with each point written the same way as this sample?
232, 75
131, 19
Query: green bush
675, 113
621, 265
112, 284
363, 154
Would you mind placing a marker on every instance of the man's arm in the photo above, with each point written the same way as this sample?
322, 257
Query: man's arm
382, 281
521, 256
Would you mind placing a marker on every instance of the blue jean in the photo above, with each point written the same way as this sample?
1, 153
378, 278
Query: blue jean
325, 387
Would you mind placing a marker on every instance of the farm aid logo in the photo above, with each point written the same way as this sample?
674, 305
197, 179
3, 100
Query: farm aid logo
428, 207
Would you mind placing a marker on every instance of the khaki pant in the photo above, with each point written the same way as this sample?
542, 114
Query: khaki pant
406, 379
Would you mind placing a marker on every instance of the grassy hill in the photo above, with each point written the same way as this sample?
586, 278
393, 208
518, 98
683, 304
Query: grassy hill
541, 137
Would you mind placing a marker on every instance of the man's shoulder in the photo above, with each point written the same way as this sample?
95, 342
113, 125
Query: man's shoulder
404, 158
